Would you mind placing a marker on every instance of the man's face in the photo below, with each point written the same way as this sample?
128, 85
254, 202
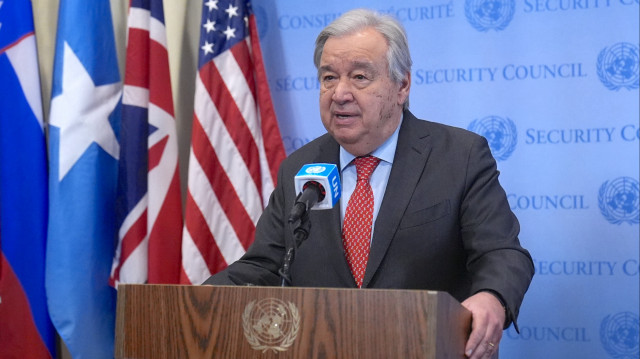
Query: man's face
360, 105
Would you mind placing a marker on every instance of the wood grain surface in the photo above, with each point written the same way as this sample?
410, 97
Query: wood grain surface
168, 321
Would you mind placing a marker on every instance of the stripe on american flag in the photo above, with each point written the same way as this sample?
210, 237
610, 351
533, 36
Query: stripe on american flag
236, 145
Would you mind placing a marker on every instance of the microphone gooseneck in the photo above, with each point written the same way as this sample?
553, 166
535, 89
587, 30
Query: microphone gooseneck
318, 187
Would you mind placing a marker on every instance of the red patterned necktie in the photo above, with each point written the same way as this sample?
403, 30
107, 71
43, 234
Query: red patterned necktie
358, 218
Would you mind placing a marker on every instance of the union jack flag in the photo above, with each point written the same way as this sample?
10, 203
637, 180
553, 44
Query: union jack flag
148, 205
236, 146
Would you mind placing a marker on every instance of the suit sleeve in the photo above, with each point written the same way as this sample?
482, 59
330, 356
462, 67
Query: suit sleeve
496, 260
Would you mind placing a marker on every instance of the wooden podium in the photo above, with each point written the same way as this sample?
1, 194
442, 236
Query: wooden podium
172, 321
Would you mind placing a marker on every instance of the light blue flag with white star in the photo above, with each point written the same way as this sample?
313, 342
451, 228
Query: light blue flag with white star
84, 123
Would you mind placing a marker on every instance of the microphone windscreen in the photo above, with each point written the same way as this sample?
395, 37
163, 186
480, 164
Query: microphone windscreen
327, 175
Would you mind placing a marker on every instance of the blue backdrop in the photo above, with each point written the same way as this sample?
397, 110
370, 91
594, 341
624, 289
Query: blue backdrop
553, 85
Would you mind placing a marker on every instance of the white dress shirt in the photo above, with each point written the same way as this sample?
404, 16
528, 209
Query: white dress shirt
379, 179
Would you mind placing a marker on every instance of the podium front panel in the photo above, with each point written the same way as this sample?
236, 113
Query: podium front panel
167, 321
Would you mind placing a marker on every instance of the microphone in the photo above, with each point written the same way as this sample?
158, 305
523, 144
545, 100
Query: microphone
311, 183
318, 185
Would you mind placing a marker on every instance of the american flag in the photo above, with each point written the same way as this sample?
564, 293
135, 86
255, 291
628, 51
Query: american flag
148, 204
236, 146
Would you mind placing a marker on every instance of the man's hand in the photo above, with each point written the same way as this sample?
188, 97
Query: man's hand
487, 320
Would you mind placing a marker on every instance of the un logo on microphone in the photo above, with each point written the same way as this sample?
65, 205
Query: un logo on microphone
618, 66
619, 200
500, 133
619, 335
314, 170
486, 15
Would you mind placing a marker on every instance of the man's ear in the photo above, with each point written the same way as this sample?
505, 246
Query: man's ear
403, 91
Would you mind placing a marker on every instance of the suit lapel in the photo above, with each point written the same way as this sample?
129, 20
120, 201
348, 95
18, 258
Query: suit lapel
410, 159
331, 234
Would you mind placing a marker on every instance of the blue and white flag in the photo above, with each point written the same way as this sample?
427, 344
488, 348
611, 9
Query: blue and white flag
83, 128
25, 327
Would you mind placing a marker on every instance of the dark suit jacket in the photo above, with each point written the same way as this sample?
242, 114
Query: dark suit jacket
444, 224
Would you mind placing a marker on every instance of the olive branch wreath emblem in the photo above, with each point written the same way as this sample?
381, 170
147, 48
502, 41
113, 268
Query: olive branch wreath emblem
287, 339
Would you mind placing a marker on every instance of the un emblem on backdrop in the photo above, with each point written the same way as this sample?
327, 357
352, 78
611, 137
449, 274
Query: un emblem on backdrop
618, 66
499, 132
619, 335
486, 15
619, 200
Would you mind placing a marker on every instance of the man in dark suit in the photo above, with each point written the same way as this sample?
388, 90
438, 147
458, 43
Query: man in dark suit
440, 219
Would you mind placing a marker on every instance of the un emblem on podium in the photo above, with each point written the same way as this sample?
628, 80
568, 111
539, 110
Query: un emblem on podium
618, 66
619, 335
619, 200
270, 324
486, 15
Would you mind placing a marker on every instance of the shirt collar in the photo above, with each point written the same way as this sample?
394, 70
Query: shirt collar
386, 152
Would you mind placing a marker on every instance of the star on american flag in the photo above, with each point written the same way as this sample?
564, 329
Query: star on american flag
209, 25
232, 11
230, 32
207, 48
0, 7
212, 4
224, 24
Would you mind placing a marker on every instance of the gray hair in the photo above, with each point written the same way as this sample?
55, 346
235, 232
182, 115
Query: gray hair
398, 56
